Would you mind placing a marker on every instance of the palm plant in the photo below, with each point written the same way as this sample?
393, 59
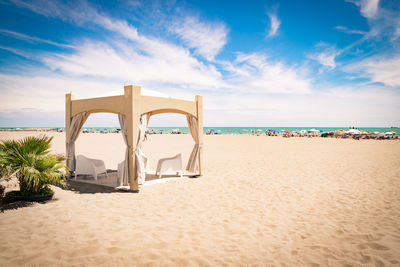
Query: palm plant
30, 161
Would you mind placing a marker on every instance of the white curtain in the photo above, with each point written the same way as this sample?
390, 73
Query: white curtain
140, 157
125, 172
193, 162
74, 130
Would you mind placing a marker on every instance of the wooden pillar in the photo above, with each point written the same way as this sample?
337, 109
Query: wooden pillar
68, 98
68, 111
199, 107
132, 124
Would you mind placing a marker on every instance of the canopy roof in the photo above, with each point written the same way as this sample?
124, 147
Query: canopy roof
120, 104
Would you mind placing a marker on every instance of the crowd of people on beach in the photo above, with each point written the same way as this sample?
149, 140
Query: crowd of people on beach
352, 132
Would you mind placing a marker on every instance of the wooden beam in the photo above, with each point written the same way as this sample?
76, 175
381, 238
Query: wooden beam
167, 105
110, 104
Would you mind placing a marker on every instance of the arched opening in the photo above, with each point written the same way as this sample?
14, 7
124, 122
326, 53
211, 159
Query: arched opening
161, 143
101, 139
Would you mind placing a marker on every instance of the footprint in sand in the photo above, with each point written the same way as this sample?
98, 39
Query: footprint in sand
365, 259
377, 246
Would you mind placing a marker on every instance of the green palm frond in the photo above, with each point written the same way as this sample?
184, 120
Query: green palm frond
30, 160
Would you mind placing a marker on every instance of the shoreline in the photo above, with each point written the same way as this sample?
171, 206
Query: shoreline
313, 133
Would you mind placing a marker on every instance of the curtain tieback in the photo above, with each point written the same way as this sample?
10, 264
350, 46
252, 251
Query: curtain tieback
134, 148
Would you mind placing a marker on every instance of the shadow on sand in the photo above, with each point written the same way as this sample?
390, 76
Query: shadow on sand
89, 188
4, 205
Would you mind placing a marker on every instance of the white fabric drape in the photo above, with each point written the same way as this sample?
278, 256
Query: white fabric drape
140, 157
125, 171
193, 163
74, 131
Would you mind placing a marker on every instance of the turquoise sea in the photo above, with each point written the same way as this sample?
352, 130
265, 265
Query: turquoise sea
238, 130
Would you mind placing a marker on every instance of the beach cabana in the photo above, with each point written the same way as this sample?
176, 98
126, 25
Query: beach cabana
134, 111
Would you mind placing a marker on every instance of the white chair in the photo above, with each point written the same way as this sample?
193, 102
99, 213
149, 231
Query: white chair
88, 166
121, 167
170, 165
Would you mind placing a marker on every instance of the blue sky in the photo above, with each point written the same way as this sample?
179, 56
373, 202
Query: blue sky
257, 63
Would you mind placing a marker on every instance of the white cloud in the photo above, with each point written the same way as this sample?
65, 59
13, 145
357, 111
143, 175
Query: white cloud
254, 73
78, 12
368, 8
382, 21
16, 51
44, 97
207, 39
327, 59
30, 39
141, 59
46, 92
326, 55
275, 23
349, 31
372, 106
385, 70
160, 62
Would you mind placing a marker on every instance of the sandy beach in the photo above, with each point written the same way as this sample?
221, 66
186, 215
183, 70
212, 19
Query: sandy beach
262, 201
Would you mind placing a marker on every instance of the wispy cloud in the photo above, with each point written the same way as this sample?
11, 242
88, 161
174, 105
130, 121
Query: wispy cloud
31, 39
325, 55
206, 38
140, 59
349, 31
382, 69
368, 8
359, 105
254, 73
160, 62
274, 24
382, 21
16, 51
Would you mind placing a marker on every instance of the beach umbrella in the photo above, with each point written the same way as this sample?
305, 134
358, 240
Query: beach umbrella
244, 130
229, 131
287, 131
259, 130
354, 131
302, 131
390, 133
